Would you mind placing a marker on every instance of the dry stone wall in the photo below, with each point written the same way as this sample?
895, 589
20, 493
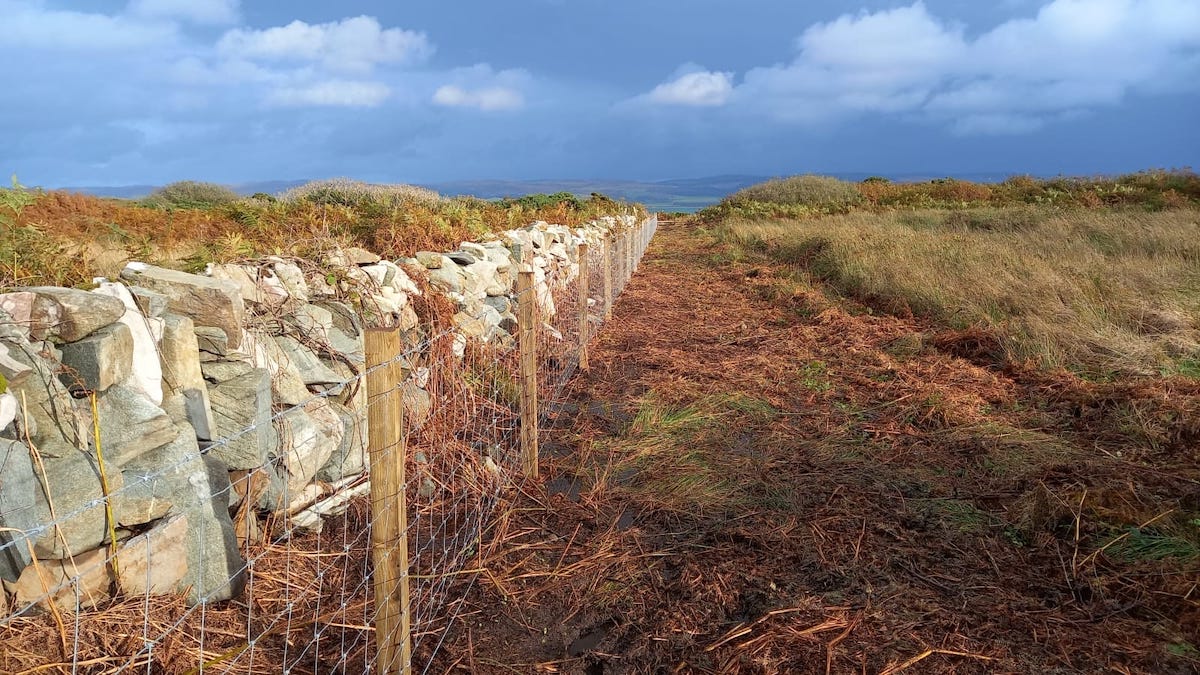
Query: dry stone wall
187, 404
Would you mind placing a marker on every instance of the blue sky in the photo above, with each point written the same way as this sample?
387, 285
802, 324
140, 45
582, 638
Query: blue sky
147, 91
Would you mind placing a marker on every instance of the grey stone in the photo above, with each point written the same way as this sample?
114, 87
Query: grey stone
101, 359
446, 279
185, 395
343, 316
216, 570
13, 371
224, 371
78, 498
17, 507
67, 314
287, 388
158, 482
291, 277
130, 424
212, 340
429, 260
308, 438
349, 458
461, 257
305, 362
152, 304
209, 302
418, 405
499, 303
478, 251
241, 410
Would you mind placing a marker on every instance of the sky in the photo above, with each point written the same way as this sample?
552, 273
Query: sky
100, 92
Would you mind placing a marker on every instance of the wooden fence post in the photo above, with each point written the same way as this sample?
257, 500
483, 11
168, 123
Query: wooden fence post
527, 328
608, 275
389, 515
631, 264
584, 329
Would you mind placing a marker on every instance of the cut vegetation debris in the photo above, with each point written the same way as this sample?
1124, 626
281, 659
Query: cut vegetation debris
763, 474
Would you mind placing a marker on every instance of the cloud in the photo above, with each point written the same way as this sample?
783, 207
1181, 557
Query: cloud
483, 88
488, 98
343, 93
218, 12
356, 44
703, 88
1071, 56
34, 27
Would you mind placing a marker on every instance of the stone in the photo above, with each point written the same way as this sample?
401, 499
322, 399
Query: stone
244, 276
9, 407
446, 279
429, 260
185, 394
287, 387
309, 436
215, 568
407, 318
291, 278
241, 409
130, 424
72, 585
151, 304
461, 257
101, 359
418, 405
146, 372
343, 316
311, 319
63, 314
159, 482
305, 362
77, 495
359, 256
209, 302
381, 274
155, 563
224, 371
349, 458
17, 507
212, 340
13, 371
476, 250
499, 303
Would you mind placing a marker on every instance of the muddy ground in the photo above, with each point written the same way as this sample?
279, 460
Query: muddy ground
758, 477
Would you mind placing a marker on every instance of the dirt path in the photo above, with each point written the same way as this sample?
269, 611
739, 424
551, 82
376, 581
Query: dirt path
757, 478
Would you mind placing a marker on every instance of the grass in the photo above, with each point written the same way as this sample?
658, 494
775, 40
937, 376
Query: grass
66, 239
808, 196
1103, 292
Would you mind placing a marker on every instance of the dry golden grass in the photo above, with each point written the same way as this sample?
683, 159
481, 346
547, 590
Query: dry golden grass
1099, 291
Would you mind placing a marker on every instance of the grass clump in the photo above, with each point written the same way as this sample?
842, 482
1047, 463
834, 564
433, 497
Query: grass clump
352, 193
1099, 292
190, 194
820, 193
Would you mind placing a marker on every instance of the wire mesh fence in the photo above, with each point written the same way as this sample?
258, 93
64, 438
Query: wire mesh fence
309, 586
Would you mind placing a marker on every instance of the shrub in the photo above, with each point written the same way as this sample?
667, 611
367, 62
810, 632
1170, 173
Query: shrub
190, 194
541, 201
353, 193
821, 192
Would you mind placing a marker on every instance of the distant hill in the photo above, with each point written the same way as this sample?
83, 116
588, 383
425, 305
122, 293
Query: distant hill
681, 194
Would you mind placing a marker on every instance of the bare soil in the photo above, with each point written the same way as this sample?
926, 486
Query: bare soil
759, 480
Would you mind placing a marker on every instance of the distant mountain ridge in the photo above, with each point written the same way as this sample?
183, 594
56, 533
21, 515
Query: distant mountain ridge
678, 194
